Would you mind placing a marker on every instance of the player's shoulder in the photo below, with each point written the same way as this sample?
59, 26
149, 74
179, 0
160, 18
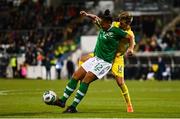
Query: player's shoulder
130, 32
116, 29
116, 24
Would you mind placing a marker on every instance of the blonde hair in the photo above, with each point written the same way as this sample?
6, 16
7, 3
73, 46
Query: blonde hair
127, 16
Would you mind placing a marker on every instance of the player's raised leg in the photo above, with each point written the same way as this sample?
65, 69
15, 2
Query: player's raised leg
96, 68
81, 92
70, 87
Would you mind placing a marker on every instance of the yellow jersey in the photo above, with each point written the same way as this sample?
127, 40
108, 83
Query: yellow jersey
124, 43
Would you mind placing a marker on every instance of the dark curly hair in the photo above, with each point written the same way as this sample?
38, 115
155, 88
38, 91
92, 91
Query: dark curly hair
107, 16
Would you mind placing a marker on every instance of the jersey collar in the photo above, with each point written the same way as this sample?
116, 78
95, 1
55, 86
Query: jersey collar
110, 27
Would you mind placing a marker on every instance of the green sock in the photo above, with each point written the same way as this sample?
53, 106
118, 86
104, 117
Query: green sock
70, 87
80, 94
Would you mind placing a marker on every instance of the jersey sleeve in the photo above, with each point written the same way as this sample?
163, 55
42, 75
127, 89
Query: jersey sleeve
98, 23
130, 32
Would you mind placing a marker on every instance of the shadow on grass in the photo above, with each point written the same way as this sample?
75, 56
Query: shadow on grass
99, 111
49, 113
19, 114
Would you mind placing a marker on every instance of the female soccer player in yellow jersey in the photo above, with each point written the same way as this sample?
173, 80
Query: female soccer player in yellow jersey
125, 19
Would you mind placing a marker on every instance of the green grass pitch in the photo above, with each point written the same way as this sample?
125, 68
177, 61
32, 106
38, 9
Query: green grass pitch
151, 99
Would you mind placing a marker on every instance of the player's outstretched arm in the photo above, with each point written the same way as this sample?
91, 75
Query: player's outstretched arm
130, 39
91, 16
130, 50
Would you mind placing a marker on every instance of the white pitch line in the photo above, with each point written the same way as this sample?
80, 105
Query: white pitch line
4, 92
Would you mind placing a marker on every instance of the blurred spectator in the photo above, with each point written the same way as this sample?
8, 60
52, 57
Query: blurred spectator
13, 64
150, 74
161, 68
167, 73
59, 65
170, 41
23, 70
153, 44
48, 68
39, 58
70, 67
143, 45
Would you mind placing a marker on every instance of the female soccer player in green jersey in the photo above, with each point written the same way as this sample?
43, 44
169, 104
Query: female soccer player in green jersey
97, 66
125, 19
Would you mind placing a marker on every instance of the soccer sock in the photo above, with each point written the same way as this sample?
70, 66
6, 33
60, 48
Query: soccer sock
125, 93
70, 87
80, 94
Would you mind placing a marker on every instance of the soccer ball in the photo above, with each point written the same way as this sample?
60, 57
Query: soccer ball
49, 97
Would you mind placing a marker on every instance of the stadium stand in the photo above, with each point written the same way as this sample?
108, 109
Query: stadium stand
37, 30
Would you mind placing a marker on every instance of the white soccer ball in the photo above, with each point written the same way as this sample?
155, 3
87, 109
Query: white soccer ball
49, 97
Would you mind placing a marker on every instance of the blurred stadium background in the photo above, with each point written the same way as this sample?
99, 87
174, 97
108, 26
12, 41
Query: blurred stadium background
32, 31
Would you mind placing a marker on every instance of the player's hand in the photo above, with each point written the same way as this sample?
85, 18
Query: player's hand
130, 52
83, 13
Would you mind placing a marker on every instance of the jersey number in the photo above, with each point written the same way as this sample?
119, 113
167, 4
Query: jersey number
98, 67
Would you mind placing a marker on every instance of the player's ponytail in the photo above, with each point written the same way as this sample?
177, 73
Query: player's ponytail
106, 12
107, 16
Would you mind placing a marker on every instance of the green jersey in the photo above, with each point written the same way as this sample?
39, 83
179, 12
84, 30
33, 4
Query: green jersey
108, 42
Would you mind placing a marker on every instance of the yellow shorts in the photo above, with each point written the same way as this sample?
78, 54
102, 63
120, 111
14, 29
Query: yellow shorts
91, 54
118, 66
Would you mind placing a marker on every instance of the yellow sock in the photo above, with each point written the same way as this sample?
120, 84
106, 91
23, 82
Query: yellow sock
125, 94
80, 63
